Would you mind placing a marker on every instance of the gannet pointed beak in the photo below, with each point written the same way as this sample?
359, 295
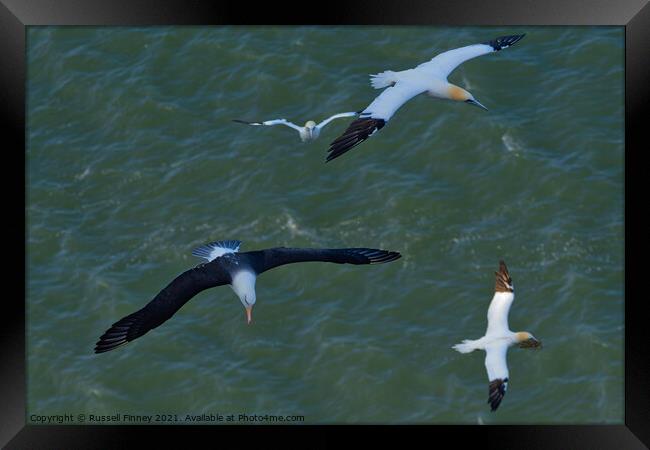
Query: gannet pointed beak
475, 103
249, 314
531, 343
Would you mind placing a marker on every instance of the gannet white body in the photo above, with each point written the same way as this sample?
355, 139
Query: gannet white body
498, 338
429, 77
225, 265
309, 132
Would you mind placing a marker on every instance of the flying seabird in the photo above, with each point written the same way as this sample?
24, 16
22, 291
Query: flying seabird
225, 265
309, 132
429, 77
498, 338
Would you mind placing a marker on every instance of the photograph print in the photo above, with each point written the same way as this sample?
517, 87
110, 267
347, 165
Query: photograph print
325, 225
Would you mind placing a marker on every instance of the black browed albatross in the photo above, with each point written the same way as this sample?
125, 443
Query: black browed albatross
225, 265
429, 77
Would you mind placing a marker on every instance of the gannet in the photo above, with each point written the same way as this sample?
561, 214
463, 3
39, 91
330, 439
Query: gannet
309, 132
498, 338
429, 77
225, 265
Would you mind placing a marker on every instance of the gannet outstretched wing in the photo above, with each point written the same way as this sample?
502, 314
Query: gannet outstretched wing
497, 370
335, 116
271, 123
374, 117
504, 294
445, 63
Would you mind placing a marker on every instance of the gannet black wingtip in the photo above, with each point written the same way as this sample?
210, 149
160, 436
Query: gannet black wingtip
496, 392
503, 280
504, 41
357, 132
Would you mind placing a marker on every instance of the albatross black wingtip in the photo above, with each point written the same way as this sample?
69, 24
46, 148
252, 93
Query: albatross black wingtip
388, 257
121, 332
111, 340
373, 256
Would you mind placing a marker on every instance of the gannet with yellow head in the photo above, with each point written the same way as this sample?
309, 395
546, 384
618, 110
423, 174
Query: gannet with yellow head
429, 77
309, 132
498, 338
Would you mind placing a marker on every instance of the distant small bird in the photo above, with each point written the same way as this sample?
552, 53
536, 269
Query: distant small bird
498, 338
309, 132
226, 266
429, 77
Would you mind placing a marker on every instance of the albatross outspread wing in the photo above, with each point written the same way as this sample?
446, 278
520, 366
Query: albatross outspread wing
264, 260
445, 63
497, 370
374, 117
163, 306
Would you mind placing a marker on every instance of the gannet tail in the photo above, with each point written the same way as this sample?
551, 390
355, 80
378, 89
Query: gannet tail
467, 346
382, 80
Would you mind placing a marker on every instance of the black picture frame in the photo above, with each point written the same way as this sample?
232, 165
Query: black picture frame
17, 15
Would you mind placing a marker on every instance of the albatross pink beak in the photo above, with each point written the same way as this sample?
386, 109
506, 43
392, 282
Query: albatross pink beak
249, 314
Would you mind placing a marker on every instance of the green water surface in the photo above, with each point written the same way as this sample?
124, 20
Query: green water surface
132, 161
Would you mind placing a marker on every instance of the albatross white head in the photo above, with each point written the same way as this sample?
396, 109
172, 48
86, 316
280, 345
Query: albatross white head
243, 283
